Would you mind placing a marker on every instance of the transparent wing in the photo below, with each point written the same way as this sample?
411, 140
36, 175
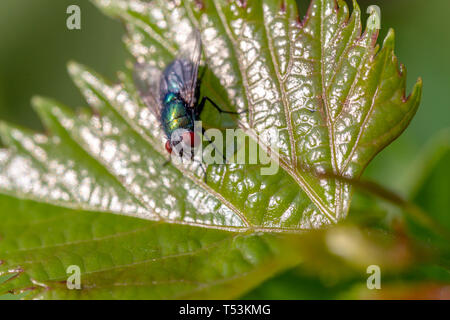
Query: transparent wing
181, 75
147, 80
191, 51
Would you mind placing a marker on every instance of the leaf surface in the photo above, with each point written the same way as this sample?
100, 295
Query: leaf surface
321, 98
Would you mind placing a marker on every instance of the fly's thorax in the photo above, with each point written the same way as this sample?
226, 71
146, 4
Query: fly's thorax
169, 98
175, 114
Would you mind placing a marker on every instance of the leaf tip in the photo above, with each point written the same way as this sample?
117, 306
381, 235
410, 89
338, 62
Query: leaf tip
38, 103
74, 68
389, 40
45, 107
356, 7
6, 130
417, 90
416, 94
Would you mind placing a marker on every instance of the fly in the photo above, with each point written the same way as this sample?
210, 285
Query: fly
172, 94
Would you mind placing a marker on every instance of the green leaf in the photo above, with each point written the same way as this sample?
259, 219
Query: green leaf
432, 177
128, 258
318, 90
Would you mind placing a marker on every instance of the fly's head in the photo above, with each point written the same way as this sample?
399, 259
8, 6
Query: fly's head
183, 142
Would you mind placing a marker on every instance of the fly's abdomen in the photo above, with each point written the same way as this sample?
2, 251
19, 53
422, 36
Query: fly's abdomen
175, 115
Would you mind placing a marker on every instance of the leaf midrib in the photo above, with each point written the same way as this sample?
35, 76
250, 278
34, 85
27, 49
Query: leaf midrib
294, 174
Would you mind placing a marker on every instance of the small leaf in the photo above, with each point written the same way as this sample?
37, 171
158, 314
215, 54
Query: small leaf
432, 177
321, 98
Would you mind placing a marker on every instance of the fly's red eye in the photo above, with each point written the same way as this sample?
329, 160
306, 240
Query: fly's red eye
190, 139
168, 147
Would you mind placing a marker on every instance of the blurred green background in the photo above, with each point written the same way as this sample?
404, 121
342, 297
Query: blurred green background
36, 45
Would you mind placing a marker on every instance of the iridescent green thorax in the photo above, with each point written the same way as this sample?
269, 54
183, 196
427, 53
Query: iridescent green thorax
175, 114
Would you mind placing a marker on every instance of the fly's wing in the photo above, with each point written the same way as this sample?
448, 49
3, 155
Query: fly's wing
181, 75
147, 80
191, 51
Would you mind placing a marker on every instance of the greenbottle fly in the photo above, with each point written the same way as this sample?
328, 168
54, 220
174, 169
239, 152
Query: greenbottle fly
173, 94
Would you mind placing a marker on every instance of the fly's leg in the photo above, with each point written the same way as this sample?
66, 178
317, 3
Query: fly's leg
204, 99
217, 150
199, 82
194, 160
203, 165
